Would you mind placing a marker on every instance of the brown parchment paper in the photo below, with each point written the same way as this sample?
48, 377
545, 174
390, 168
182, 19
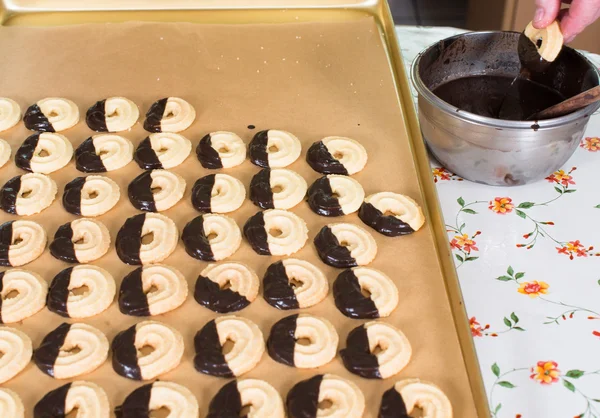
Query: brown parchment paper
312, 79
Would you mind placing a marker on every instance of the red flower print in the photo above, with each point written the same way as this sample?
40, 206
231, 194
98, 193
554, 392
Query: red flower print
475, 327
575, 248
533, 289
545, 372
501, 205
463, 242
440, 173
560, 177
591, 144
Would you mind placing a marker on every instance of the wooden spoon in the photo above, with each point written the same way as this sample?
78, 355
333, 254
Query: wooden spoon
570, 105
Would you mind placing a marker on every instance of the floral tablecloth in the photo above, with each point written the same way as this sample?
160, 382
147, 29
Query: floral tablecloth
526, 261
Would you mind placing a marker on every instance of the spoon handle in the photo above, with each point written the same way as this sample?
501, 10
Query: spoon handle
567, 106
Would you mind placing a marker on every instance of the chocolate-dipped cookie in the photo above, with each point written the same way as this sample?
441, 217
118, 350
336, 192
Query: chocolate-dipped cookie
132, 250
337, 155
262, 399
345, 245
274, 149
162, 150
276, 232
170, 114
73, 398
391, 214
52, 114
28, 194
218, 193
90, 196
30, 295
226, 287
177, 399
221, 150
21, 242
335, 195
277, 188
114, 114
104, 152
44, 153
211, 237
406, 395
293, 284
80, 241
156, 190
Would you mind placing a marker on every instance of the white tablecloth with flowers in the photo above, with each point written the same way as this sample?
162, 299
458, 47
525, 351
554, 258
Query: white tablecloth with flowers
527, 265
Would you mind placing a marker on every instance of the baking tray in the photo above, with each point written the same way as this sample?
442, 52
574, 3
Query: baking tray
368, 98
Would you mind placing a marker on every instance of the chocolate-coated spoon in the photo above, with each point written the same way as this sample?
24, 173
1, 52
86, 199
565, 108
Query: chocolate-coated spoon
570, 105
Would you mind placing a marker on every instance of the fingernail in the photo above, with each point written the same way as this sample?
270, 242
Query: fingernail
538, 16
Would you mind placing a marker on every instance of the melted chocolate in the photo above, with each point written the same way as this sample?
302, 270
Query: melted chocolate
136, 404
256, 234
227, 403
146, 157
58, 293
129, 240
195, 240
202, 192
209, 358
282, 340
384, 224
154, 115
35, 120
529, 55
321, 160
321, 198
95, 117
331, 252
357, 356
392, 405
124, 358
6, 233
260, 189
140, 192
46, 354
349, 299
62, 246
302, 400
132, 298
86, 159
207, 155
277, 290
1, 287
25, 152
8, 195
72, 196
209, 294
52, 405
257, 149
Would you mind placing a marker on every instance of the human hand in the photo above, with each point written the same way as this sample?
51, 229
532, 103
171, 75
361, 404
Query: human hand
573, 21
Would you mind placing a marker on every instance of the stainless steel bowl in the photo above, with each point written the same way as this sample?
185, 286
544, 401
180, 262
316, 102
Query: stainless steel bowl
494, 151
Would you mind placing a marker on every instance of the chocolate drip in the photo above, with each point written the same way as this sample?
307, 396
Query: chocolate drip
322, 200
302, 400
25, 152
384, 224
227, 403
62, 246
331, 252
132, 298
202, 192
195, 240
278, 292
140, 192
209, 294
207, 155
58, 293
321, 160
9, 193
392, 405
209, 358
136, 404
95, 117
146, 157
154, 115
46, 354
260, 189
124, 358
282, 340
129, 240
256, 234
35, 120
6, 233
1, 287
52, 405
86, 159
72, 196
349, 298
357, 356
257, 149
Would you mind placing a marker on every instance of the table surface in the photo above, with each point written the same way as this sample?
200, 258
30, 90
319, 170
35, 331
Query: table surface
526, 261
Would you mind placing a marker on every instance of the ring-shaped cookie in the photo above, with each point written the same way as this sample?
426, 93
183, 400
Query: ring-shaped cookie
180, 402
345, 245
276, 232
99, 292
91, 196
293, 284
5, 152
408, 394
81, 241
87, 398
52, 114
156, 190
10, 113
391, 214
30, 298
128, 360
44, 153
171, 114
21, 242
337, 155
550, 40
16, 350
221, 150
114, 114
28, 194
274, 149
218, 193
262, 399
102, 153
248, 346
11, 404
162, 150
335, 195
130, 243
226, 287
211, 237
277, 188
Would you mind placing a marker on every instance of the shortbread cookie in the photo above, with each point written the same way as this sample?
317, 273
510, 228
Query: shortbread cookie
4, 152
102, 153
127, 359
28, 194
99, 292
90, 196
277, 188
345, 245
87, 398
21, 242
171, 114
152, 290
211, 237
293, 284
391, 214
16, 350
131, 246
337, 155
362, 358
156, 190
11, 404
408, 394
276, 232
226, 287
348, 294
31, 291
44, 153
221, 150
322, 338
262, 399
335, 195
248, 346
345, 398
80, 241
162, 150
218, 193
114, 114
52, 114
274, 149
56, 356
177, 399
10, 113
